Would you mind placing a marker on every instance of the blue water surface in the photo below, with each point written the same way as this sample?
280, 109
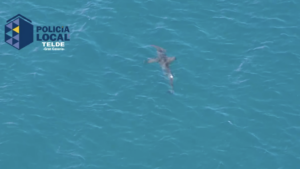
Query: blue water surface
98, 105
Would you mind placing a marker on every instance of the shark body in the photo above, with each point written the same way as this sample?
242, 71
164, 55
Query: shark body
164, 62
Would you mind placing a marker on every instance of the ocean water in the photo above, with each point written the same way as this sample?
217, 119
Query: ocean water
98, 105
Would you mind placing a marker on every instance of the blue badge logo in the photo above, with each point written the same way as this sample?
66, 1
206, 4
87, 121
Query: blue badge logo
19, 32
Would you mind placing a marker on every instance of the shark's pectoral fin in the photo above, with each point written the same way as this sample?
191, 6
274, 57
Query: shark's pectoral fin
171, 59
152, 60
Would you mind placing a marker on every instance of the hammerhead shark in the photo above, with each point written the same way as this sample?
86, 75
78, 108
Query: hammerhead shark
164, 62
